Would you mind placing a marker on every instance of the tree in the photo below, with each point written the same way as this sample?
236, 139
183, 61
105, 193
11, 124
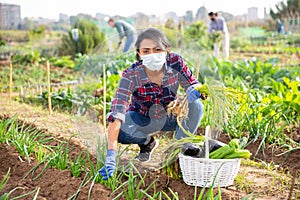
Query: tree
90, 37
170, 24
37, 32
290, 9
196, 34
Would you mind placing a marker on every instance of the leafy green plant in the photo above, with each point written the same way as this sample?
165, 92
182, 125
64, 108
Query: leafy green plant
196, 34
209, 194
78, 165
32, 58
24, 138
83, 183
215, 36
5, 179
64, 61
6, 196
131, 188
61, 157
89, 38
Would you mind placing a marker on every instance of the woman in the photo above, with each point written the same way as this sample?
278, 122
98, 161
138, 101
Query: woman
150, 84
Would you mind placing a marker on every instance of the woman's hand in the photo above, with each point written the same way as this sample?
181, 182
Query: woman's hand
109, 167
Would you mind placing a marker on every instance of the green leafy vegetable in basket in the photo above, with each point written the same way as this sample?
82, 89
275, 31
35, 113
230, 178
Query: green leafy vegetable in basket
234, 149
238, 153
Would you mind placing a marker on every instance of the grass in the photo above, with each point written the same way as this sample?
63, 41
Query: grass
243, 183
278, 179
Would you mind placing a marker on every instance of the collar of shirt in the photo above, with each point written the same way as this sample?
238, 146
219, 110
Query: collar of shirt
144, 78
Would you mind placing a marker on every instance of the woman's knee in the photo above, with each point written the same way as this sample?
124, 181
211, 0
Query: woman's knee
124, 138
131, 137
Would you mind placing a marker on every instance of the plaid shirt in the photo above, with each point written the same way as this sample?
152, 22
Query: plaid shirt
143, 94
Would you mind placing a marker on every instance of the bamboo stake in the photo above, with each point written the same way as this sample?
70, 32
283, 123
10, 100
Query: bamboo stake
197, 69
104, 97
269, 45
10, 83
21, 91
40, 89
49, 88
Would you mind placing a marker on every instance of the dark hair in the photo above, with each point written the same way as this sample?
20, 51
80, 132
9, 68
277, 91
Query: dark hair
216, 14
211, 14
154, 34
111, 20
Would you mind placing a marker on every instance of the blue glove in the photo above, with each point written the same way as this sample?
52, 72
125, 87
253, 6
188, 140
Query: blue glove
109, 167
193, 95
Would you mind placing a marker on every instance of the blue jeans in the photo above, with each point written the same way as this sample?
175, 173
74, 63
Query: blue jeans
130, 40
138, 128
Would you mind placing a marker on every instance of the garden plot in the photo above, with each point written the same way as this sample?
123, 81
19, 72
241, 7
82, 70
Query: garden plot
251, 179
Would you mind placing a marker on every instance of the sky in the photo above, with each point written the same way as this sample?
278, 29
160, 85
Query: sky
52, 8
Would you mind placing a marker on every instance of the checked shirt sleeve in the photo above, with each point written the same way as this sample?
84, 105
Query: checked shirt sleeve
186, 78
120, 102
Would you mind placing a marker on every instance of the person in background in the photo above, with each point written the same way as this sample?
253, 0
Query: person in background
218, 24
124, 29
150, 84
280, 27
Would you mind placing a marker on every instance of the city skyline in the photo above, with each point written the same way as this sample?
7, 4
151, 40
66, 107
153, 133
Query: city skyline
52, 9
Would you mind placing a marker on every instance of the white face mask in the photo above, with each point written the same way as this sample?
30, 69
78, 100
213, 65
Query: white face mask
154, 61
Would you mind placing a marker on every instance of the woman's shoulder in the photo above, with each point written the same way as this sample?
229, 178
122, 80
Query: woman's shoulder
133, 68
174, 57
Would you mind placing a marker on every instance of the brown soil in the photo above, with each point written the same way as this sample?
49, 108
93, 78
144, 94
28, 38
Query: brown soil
53, 184
266, 183
279, 157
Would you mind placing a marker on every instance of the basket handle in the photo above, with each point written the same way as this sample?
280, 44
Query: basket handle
206, 143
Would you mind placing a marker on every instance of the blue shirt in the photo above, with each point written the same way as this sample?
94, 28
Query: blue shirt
218, 25
124, 29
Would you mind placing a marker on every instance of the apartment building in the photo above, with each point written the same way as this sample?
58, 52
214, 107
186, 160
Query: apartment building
10, 16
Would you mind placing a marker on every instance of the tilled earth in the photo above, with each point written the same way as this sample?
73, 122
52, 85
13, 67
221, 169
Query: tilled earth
265, 181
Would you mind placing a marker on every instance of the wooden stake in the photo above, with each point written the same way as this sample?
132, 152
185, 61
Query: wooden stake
21, 91
197, 69
40, 89
49, 88
269, 45
104, 97
10, 83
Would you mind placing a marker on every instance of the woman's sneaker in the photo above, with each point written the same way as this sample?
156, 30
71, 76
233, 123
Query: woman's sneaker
147, 150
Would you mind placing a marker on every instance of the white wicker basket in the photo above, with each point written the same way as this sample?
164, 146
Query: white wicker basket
202, 171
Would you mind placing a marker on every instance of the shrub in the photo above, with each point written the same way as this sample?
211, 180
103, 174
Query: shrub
89, 38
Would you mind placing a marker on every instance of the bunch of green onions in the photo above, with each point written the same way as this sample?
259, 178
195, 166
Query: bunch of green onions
221, 99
